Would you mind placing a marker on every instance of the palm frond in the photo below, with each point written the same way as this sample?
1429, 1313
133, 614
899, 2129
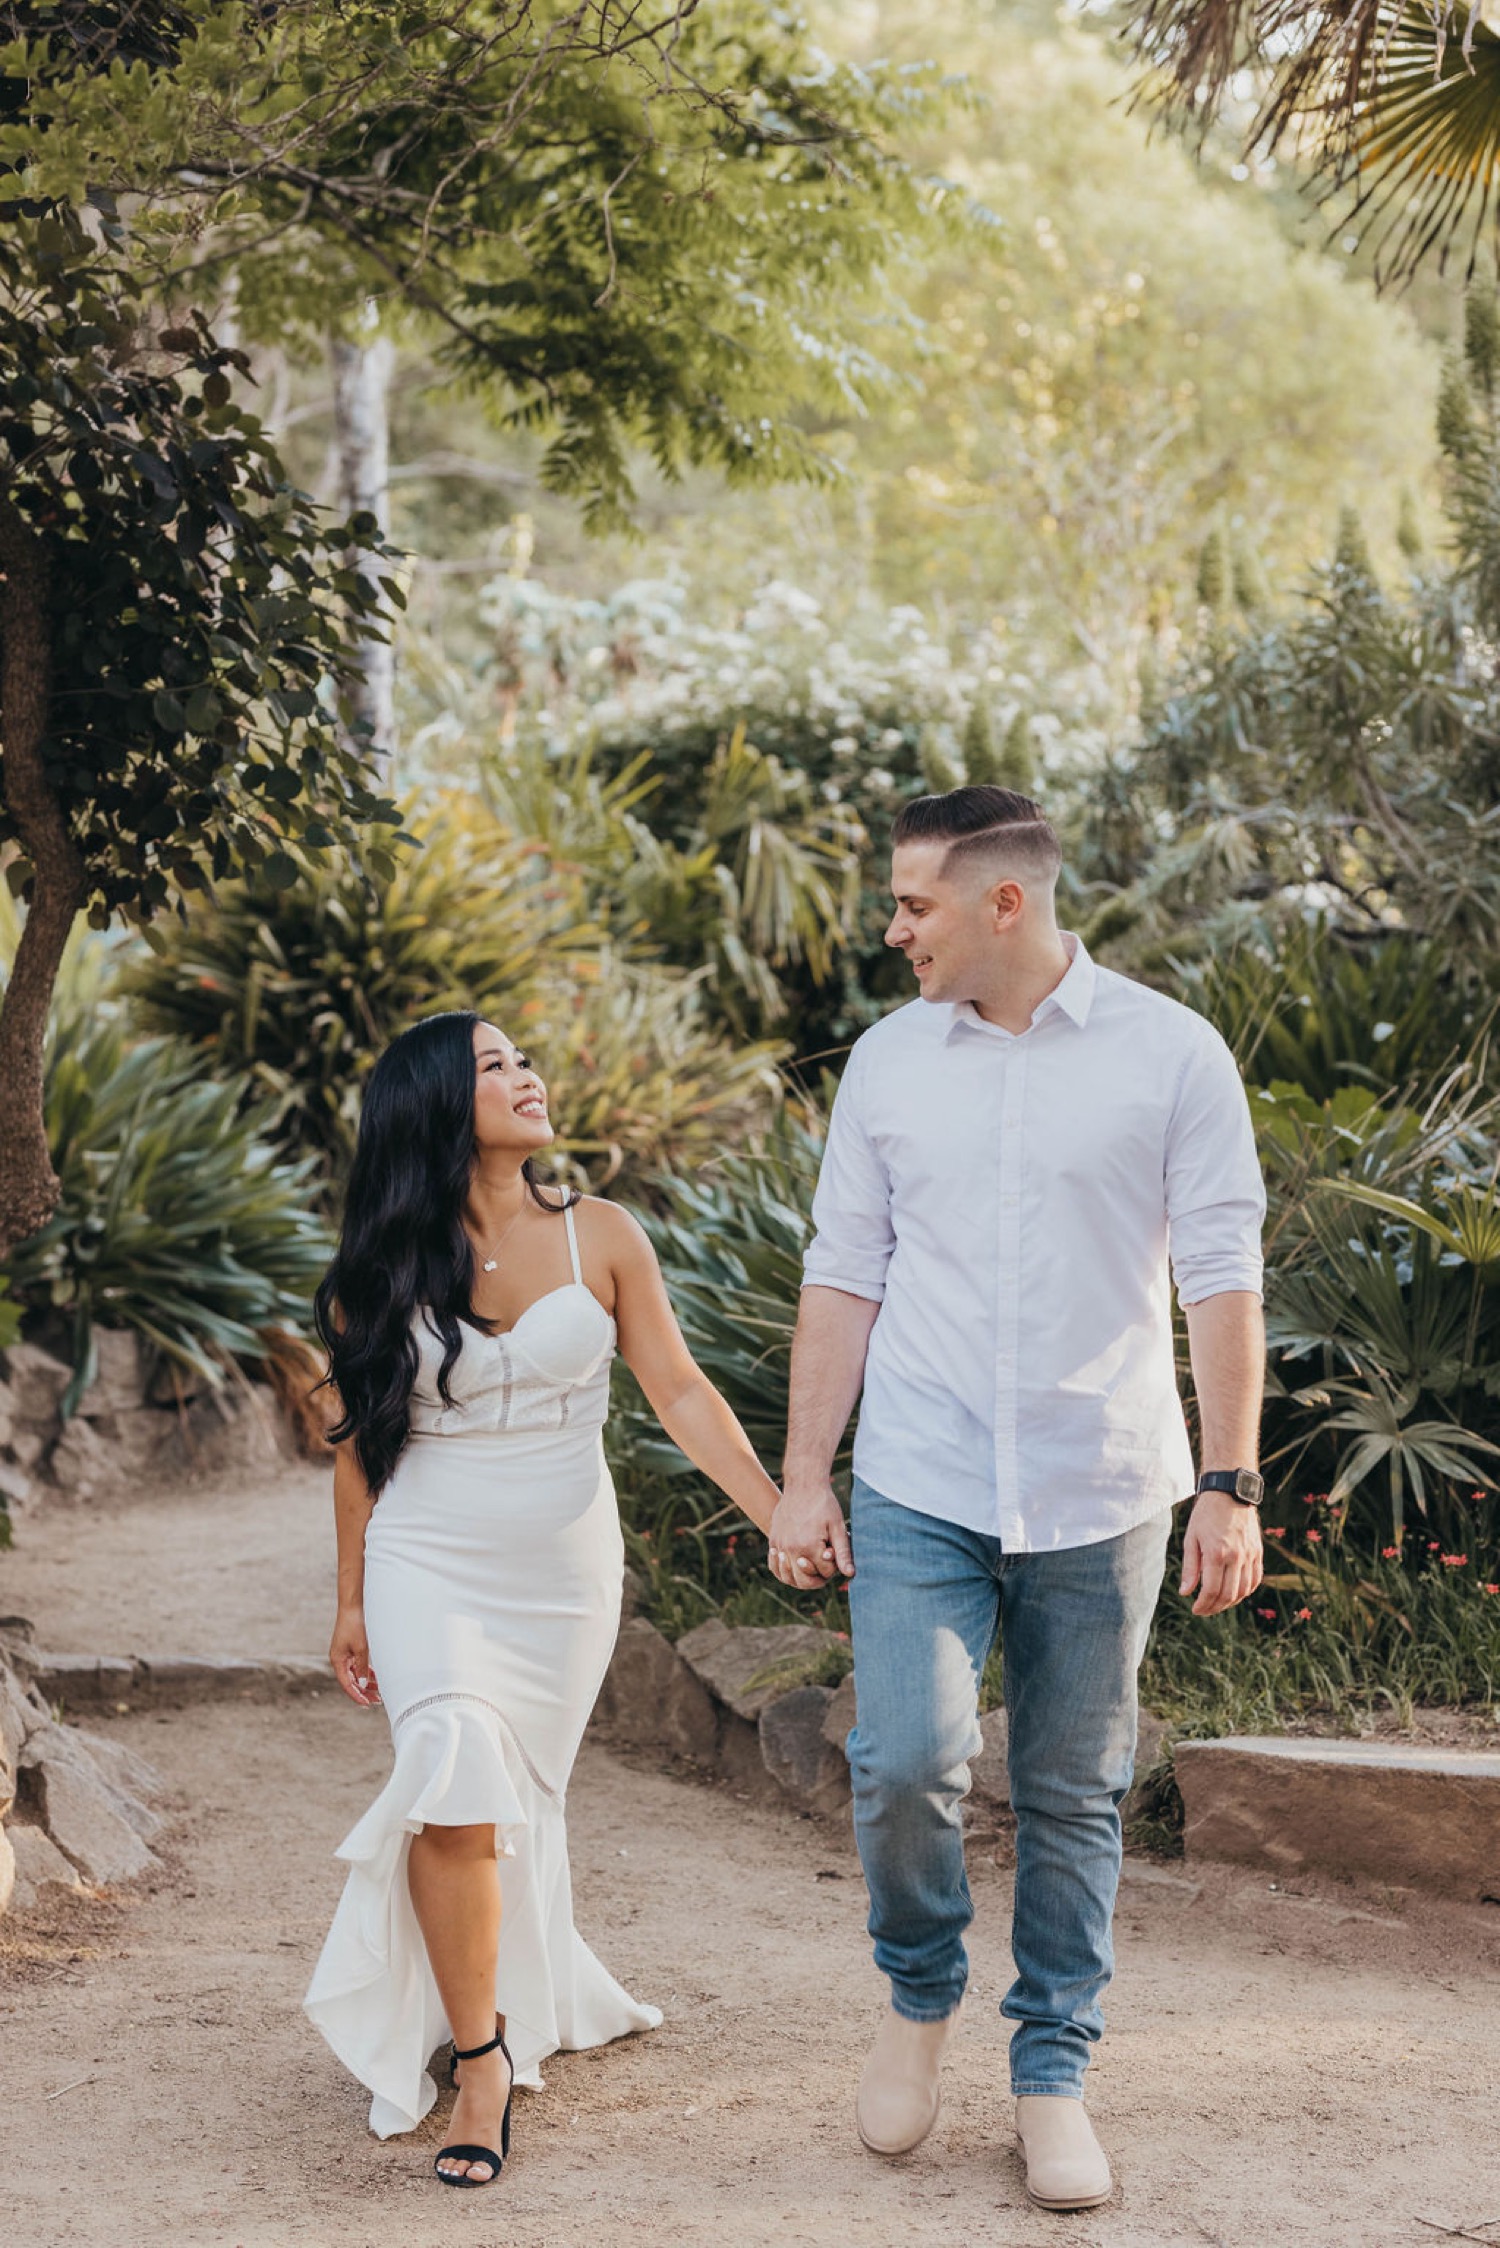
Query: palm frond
1398, 100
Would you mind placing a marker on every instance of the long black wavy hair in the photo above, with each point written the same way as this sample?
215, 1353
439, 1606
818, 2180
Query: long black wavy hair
403, 1247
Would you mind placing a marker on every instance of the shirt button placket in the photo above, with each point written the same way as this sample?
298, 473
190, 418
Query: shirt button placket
1014, 1057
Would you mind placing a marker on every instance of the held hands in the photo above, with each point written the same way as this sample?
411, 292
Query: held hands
350, 1657
809, 1538
1222, 1554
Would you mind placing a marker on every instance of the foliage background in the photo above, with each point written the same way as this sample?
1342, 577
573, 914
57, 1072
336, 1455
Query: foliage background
1145, 511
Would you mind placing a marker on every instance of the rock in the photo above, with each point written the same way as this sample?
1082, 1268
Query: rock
797, 1755
631, 1593
119, 1383
25, 1447
7, 1871
751, 1665
19, 1715
839, 1716
121, 1766
1428, 1818
38, 1863
84, 1464
740, 1763
36, 1381
651, 1698
101, 1829
16, 1487
18, 1644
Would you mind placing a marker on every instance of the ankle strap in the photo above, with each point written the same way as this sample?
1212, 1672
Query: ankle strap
476, 2052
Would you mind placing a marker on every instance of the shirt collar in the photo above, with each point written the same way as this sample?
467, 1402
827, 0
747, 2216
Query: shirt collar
1073, 996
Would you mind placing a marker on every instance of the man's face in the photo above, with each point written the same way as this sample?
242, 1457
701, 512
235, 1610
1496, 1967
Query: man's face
946, 927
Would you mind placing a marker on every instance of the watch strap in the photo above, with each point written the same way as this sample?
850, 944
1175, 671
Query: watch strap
1241, 1483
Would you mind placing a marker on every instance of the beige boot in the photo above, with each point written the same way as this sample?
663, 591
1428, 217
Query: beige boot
899, 2095
1066, 2168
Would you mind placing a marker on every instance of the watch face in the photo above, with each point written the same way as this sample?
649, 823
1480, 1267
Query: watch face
1247, 1484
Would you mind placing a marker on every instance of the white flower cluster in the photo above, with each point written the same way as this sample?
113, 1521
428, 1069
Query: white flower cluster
868, 708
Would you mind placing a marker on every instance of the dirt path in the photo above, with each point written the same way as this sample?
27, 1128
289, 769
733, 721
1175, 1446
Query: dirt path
1279, 2068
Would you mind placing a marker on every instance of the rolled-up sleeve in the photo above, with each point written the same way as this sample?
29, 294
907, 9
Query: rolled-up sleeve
1216, 1197
853, 1240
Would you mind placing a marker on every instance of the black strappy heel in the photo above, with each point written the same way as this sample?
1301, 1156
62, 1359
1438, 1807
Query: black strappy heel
496, 2161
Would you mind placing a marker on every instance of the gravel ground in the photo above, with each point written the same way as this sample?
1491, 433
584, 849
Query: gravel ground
1317, 2067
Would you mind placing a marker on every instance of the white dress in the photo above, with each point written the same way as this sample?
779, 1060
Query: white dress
493, 1568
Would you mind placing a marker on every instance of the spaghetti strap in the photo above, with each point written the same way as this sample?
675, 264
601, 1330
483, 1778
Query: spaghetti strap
573, 1244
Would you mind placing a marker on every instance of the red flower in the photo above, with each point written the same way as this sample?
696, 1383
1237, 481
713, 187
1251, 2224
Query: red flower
1302, 1615
1390, 1553
1455, 1561
1266, 1612
1490, 1588
1315, 1537
1273, 1530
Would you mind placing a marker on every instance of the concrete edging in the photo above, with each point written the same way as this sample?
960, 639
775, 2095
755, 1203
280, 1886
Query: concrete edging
106, 1682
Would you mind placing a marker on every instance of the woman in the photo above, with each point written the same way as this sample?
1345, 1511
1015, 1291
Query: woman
470, 1317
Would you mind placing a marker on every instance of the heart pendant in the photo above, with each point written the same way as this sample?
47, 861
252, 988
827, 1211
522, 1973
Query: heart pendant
489, 1264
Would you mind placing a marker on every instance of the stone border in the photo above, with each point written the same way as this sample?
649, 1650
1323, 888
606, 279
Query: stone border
1404, 1815
129, 1682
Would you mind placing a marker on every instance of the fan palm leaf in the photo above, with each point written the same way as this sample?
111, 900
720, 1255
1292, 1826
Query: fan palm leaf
1398, 99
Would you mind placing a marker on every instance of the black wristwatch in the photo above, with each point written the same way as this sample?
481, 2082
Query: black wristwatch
1241, 1483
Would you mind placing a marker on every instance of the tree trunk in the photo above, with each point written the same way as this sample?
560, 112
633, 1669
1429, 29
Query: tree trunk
29, 1187
361, 431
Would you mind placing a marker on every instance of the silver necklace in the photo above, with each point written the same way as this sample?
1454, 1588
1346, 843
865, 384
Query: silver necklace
489, 1263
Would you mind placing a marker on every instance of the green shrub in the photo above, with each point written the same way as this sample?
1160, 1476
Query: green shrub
177, 1218
1323, 1012
297, 990
730, 1241
294, 993
1384, 1368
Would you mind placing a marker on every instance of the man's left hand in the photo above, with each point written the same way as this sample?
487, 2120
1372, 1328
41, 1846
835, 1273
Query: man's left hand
1222, 1554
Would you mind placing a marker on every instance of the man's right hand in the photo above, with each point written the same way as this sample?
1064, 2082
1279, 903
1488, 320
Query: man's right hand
809, 1537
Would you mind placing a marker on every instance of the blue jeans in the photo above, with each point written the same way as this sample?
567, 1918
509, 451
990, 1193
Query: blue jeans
926, 1598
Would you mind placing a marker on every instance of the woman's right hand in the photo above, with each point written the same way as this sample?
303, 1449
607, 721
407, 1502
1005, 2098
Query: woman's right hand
349, 1654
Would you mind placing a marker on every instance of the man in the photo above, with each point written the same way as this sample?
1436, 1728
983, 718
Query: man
1015, 1162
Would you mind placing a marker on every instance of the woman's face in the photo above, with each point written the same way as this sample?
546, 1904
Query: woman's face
510, 1100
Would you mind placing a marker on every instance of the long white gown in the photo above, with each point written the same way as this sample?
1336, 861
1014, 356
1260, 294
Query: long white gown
493, 1569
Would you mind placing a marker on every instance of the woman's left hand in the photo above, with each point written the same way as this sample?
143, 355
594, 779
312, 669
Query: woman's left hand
349, 1654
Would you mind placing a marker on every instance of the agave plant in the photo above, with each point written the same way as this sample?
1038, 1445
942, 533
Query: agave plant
178, 1217
1384, 1337
1321, 1013
295, 991
639, 1076
730, 1240
758, 879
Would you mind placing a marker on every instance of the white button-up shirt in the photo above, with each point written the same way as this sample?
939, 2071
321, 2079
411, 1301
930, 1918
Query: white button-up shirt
1011, 1203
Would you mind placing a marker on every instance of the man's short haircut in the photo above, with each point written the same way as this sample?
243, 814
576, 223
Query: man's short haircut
983, 826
